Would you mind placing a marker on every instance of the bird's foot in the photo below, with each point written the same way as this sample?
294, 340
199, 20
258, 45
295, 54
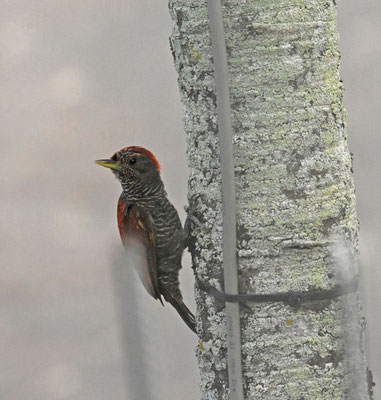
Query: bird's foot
190, 223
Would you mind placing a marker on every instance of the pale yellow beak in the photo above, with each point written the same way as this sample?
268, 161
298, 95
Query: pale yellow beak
108, 163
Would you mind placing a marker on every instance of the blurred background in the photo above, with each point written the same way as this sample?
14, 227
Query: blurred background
78, 81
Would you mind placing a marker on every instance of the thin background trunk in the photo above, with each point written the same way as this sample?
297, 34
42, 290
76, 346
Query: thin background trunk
297, 227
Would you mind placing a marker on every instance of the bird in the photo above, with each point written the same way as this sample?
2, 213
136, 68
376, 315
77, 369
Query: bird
149, 226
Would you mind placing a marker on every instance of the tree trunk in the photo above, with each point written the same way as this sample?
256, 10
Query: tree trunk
297, 226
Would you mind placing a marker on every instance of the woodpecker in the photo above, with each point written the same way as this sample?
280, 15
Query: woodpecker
149, 226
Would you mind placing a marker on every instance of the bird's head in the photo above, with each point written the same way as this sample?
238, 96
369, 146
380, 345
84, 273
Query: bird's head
133, 163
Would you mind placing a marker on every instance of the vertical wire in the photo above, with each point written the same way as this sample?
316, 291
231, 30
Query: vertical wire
225, 134
136, 362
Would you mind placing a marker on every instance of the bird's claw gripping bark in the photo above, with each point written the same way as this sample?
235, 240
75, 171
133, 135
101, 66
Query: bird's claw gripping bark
189, 225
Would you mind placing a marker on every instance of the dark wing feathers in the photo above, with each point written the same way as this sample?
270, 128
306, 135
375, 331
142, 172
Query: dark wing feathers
138, 234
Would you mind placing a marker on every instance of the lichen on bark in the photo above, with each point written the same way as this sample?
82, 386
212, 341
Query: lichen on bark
295, 196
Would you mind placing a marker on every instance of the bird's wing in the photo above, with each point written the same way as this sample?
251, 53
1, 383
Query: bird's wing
138, 234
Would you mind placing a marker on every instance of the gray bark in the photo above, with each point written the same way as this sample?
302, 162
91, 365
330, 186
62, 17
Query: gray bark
296, 223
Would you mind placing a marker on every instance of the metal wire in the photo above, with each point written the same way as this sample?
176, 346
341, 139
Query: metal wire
228, 197
139, 378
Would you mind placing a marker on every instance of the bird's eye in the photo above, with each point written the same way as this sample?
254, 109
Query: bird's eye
114, 157
132, 161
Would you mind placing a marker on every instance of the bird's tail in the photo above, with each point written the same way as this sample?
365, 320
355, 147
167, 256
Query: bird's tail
182, 309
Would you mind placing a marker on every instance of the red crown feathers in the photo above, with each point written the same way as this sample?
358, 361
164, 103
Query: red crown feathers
142, 150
